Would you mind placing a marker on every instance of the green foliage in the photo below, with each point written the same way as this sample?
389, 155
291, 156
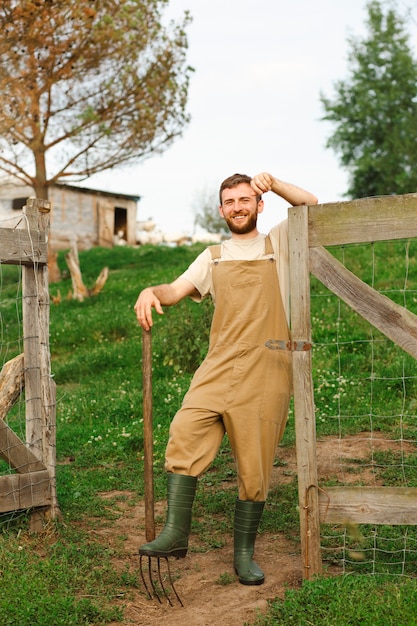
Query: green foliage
185, 345
281, 511
65, 581
10, 331
225, 579
374, 601
374, 110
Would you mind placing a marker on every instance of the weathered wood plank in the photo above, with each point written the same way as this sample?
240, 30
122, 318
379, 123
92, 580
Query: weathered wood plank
364, 220
31, 337
393, 320
12, 382
368, 505
48, 388
14, 452
41, 392
18, 247
303, 392
24, 491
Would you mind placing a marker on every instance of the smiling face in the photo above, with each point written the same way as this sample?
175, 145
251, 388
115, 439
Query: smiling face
240, 207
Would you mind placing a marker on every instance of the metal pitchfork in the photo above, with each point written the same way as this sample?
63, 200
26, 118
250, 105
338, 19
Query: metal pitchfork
148, 473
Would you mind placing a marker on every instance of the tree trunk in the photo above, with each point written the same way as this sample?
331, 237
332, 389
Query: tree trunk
79, 290
41, 187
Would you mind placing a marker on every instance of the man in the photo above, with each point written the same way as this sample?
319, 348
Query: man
242, 388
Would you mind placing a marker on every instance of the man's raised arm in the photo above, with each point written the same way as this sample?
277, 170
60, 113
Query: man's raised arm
261, 183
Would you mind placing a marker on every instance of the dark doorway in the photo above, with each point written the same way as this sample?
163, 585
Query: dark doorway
120, 222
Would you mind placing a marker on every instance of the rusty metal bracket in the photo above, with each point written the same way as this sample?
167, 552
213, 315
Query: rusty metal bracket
280, 344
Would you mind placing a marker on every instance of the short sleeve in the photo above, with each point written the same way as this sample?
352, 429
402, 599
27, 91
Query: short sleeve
199, 274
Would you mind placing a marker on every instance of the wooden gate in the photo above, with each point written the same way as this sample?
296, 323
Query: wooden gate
311, 229
33, 485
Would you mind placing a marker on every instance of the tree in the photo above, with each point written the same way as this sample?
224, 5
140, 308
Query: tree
87, 85
375, 109
207, 215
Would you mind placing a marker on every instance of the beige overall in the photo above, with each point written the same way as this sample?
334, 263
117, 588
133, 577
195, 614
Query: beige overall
242, 387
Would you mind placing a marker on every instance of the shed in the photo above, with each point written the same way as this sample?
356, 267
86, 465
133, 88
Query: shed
91, 217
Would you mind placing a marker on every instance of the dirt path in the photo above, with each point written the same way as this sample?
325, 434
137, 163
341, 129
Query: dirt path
198, 577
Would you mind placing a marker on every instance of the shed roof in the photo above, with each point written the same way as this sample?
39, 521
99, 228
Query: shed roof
98, 192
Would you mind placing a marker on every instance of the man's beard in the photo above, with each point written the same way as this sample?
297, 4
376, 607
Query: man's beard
246, 227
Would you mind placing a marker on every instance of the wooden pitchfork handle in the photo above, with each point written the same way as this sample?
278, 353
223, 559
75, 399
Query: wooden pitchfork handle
148, 434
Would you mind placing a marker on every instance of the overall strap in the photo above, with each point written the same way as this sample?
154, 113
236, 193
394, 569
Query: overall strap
268, 245
216, 252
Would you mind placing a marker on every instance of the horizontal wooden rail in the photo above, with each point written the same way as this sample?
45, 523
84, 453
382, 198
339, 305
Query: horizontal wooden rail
25, 491
17, 247
366, 220
368, 505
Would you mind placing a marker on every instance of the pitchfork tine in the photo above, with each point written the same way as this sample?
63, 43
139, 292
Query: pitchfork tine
143, 577
161, 581
172, 583
151, 594
154, 593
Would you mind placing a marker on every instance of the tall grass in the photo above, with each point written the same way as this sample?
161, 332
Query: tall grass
96, 361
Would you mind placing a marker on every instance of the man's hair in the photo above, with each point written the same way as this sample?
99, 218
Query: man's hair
233, 181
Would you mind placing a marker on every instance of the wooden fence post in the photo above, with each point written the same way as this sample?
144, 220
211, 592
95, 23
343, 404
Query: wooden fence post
40, 387
305, 423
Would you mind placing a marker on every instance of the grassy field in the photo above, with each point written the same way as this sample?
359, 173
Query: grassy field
65, 577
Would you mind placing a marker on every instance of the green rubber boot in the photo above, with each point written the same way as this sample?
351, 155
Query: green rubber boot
173, 540
247, 517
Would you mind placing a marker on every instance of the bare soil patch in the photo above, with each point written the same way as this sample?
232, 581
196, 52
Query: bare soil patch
197, 577
206, 602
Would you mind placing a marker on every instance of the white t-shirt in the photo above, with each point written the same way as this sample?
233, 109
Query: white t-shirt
199, 272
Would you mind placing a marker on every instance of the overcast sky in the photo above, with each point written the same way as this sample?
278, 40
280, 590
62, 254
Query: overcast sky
254, 101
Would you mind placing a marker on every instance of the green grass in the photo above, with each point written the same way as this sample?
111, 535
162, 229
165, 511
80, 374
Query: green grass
96, 362
66, 579
342, 601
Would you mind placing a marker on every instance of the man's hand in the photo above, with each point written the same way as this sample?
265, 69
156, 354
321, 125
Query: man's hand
261, 183
147, 301
158, 296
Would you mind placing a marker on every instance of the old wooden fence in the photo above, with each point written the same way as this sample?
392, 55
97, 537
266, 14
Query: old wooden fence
31, 484
311, 230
